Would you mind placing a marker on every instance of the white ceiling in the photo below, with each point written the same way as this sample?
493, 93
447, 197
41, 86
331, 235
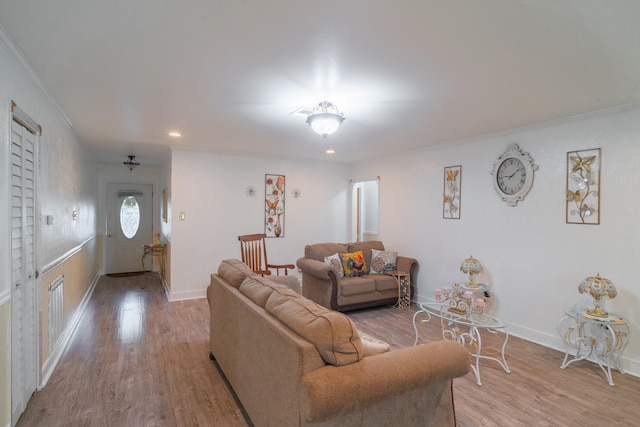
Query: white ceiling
406, 74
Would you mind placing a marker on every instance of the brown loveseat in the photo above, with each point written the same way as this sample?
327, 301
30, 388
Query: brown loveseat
324, 284
292, 362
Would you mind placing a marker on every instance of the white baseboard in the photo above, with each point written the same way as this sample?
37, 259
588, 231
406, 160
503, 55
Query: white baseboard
630, 366
185, 295
63, 342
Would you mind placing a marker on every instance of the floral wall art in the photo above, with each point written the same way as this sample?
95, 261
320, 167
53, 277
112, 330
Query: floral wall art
274, 193
583, 187
451, 196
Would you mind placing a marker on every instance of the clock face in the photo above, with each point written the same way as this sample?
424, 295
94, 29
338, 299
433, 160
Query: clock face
511, 175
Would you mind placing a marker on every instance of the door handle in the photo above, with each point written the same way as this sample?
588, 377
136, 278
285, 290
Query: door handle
18, 285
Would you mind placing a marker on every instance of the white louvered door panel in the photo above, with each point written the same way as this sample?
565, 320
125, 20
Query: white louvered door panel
23, 297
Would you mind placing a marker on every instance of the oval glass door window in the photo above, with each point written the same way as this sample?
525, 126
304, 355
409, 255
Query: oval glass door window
129, 217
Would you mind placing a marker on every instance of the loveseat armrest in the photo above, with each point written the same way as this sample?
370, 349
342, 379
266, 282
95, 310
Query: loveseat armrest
333, 391
319, 282
317, 269
404, 263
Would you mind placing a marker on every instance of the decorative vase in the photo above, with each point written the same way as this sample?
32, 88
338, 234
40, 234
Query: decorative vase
277, 229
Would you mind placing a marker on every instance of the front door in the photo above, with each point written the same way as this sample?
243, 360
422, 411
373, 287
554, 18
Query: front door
129, 226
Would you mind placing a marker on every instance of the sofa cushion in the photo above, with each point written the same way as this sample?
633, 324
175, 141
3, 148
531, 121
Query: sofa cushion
382, 261
353, 264
366, 248
357, 285
234, 271
319, 251
290, 281
332, 333
258, 289
335, 262
384, 282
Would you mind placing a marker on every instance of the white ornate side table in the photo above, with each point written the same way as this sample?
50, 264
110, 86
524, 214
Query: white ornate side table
467, 329
600, 339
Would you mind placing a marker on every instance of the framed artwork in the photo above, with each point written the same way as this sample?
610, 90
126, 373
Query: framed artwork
583, 187
452, 190
274, 192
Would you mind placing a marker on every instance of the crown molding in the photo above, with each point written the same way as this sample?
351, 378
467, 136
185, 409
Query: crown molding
9, 45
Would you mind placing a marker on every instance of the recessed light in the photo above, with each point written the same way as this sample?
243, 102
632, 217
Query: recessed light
330, 151
175, 134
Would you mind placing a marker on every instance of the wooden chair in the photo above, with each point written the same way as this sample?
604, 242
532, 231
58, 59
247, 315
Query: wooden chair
254, 254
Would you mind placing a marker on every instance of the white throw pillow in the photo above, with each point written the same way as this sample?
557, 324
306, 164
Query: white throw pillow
335, 262
383, 261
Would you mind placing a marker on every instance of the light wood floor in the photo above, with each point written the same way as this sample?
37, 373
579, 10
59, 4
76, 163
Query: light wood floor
137, 360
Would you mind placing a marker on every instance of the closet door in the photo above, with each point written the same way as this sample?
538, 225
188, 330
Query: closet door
23, 295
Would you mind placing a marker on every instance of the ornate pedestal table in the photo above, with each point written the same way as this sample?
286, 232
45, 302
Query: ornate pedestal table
600, 339
467, 329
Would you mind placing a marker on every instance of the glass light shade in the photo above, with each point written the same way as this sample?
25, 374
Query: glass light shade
325, 119
598, 287
471, 266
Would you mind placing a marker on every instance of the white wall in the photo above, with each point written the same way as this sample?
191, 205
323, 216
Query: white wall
211, 191
66, 182
533, 260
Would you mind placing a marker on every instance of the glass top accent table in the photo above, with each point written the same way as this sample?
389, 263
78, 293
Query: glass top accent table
599, 339
468, 330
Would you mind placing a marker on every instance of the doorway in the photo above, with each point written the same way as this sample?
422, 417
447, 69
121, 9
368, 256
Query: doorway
366, 211
129, 226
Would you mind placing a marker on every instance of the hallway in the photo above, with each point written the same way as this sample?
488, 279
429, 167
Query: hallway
136, 360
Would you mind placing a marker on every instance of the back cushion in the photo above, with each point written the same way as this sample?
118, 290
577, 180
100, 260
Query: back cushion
234, 271
332, 333
258, 289
319, 251
365, 247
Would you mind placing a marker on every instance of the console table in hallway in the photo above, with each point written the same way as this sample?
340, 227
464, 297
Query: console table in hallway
154, 250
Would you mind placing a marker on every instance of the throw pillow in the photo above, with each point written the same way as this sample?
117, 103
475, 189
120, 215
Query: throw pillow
335, 262
383, 261
353, 264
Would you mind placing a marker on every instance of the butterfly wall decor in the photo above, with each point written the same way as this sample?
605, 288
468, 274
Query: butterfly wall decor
583, 187
274, 193
451, 195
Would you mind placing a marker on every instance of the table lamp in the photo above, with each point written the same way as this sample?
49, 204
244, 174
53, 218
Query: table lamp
471, 266
598, 287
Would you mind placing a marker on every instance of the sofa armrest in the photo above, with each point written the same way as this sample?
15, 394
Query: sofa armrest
317, 269
331, 391
319, 282
407, 264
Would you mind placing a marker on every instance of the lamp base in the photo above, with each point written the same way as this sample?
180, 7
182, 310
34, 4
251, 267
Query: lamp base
472, 284
597, 312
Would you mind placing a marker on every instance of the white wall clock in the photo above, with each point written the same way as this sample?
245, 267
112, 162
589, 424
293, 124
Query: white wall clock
513, 174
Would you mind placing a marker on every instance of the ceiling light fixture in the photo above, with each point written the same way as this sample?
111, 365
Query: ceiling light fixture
325, 119
175, 134
131, 163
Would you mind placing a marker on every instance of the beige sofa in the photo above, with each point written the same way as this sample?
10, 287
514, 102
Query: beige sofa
292, 362
324, 285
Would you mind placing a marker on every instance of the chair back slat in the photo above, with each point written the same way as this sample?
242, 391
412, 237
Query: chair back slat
254, 252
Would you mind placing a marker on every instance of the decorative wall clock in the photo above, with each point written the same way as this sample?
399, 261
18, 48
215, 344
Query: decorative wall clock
513, 174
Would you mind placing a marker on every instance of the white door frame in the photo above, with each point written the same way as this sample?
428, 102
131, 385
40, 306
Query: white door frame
30, 356
130, 250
